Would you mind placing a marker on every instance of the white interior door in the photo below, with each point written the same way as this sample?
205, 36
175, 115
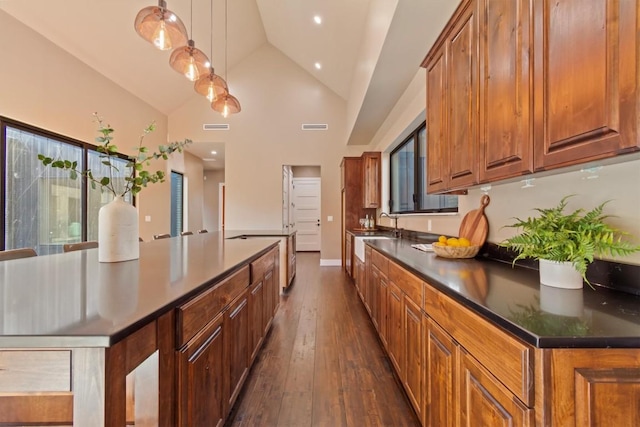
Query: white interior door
286, 184
306, 208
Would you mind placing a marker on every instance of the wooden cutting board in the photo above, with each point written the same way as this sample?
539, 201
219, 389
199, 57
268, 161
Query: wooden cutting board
474, 225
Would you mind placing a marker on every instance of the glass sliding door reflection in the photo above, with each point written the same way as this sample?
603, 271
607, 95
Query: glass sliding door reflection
43, 205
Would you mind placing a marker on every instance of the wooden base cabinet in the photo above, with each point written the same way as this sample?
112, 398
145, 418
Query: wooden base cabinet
201, 376
439, 376
413, 361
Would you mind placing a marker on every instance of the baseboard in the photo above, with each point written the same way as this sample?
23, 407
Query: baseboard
330, 262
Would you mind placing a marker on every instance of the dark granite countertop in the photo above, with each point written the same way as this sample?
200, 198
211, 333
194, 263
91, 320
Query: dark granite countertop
72, 300
513, 299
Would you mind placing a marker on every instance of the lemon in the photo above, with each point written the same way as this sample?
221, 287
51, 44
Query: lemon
442, 239
440, 244
463, 241
452, 241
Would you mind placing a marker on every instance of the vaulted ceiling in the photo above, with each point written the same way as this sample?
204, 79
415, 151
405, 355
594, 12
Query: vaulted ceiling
383, 41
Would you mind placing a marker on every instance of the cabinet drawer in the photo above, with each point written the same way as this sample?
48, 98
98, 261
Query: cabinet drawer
407, 282
508, 359
262, 264
380, 261
197, 312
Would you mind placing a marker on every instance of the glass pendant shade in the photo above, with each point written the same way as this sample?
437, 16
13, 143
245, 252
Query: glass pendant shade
161, 27
190, 61
211, 85
226, 105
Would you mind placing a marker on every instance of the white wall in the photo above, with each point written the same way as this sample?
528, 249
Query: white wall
210, 200
619, 183
267, 135
44, 86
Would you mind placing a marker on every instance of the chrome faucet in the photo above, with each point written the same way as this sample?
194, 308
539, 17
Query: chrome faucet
396, 232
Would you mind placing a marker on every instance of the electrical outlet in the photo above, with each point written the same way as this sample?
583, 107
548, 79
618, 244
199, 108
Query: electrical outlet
428, 225
147, 218
330, 218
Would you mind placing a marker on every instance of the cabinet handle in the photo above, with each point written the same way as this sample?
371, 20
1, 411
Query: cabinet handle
235, 312
253, 292
200, 349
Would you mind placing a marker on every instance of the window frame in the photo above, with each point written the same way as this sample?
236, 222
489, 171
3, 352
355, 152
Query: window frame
419, 182
84, 185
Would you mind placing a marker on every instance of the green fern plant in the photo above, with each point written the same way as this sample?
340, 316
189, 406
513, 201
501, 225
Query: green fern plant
576, 237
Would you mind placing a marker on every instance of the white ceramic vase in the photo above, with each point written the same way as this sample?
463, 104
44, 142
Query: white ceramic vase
118, 232
560, 275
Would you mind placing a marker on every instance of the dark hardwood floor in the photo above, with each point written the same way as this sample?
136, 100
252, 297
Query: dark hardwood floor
322, 363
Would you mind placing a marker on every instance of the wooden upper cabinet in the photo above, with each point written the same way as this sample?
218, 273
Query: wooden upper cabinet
436, 122
452, 92
506, 95
462, 89
371, 169
586, 80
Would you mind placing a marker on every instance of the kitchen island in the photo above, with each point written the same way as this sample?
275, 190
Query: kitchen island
484, 343
101, 344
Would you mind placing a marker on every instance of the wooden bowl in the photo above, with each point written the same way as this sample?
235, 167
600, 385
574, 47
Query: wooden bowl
456, 251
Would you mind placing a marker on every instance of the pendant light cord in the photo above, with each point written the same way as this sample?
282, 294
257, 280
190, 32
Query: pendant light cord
191, 25
225, 41
211, 35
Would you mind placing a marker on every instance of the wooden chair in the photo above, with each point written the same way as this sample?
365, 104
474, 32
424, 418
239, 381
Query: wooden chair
161, 236
17, 254
204, 230
69, 247
186, 233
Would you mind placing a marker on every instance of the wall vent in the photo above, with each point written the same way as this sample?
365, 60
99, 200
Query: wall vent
315, 126
215, 126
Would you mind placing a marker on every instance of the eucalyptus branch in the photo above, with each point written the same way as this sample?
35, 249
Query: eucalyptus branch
138, 176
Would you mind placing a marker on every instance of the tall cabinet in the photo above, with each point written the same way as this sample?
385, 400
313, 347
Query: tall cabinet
515, 87
360, 182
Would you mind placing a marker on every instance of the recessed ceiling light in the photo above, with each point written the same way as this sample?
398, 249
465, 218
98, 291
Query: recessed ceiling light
214, 152
318, 65
317, 19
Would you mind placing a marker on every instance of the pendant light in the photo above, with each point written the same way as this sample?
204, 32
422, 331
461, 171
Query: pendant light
226, 104
211, 85
161, 27
189, 60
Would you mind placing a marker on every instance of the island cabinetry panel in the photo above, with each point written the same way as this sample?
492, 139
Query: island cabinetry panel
197, 312
236, 346
586, 81
201, 376
35, 387
506, 95
265, 270
291, 258
258, 315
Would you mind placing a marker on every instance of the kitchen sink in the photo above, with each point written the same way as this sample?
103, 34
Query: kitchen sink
359, 244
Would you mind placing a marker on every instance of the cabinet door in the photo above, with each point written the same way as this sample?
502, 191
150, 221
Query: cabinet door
484, 401
256, 317
383, 319
413, 354
586, 80
272, 284
373, 292
348, 254
395, 330
371, 179
437, 151
201, 378
440, 400
506, 95
462, 89
237, 346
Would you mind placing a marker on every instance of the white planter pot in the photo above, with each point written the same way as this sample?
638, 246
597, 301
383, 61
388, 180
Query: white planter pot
118, 232
560, 275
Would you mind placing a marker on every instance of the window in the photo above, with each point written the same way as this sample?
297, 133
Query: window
176, 203
408, 178
42, 207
